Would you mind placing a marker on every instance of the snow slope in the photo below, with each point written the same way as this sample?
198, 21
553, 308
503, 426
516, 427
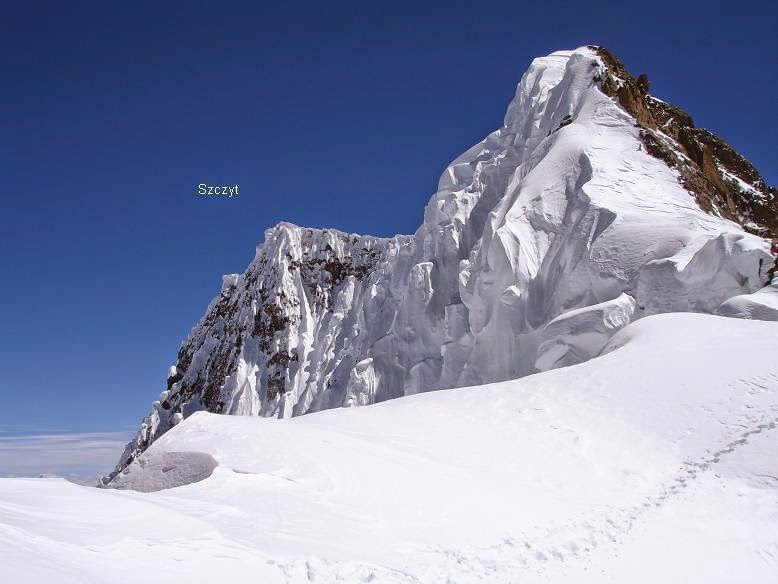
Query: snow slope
564, 208
654, 462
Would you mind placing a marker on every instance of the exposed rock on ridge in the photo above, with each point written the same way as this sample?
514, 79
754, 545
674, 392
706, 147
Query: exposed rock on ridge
251, 352
722, 181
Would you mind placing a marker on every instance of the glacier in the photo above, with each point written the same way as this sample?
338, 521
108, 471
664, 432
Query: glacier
588, 209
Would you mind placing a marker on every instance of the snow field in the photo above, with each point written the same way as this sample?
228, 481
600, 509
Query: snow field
653, 462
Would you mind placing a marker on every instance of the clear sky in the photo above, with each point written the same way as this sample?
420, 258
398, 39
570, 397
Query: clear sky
326, 114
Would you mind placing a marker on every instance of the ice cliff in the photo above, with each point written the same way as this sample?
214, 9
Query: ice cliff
593, 205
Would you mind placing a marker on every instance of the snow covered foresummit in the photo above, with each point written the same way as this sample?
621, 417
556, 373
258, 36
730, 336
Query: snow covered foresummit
593, 205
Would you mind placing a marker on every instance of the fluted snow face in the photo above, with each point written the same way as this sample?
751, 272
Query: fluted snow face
559, 210
279, 339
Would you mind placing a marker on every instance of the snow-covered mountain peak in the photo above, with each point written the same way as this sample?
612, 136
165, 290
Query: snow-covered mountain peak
553, 85
593, 205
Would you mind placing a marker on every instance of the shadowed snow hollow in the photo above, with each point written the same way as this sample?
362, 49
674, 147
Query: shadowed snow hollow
761, 305
154, 471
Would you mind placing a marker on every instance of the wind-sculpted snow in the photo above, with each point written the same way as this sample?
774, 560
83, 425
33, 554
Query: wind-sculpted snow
562, 208
761, 305
654, 462
579, 335
154, 471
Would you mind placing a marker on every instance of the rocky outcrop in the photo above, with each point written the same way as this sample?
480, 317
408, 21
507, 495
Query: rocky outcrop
274, 337
722, 181
574, 218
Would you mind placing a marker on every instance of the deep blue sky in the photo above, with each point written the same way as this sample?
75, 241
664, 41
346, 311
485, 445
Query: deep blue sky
326, 114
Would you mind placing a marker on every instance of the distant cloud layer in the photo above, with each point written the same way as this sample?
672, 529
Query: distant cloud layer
79, 457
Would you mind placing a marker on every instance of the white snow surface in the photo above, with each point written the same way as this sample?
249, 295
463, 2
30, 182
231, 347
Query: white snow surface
761, 305
654, 462
540, 219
